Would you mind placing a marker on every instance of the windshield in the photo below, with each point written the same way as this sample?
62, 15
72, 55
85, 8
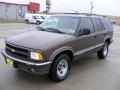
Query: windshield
38, 17
64, 24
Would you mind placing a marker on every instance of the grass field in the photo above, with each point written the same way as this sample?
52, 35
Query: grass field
11, 21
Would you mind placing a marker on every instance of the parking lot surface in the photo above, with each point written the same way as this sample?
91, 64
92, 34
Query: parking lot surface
88, 73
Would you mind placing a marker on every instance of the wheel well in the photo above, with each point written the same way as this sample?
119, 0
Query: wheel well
108, 41
37, 21
68, 52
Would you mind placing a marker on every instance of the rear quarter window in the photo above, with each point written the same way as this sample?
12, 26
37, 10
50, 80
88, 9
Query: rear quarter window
107, 24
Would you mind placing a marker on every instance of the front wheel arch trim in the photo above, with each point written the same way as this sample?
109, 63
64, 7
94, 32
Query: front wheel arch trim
58, 51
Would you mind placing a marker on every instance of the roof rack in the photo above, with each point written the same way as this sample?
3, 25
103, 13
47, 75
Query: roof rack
87, 14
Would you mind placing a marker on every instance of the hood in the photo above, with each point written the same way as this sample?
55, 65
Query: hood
39, 39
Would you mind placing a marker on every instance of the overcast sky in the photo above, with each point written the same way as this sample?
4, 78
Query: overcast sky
105, 7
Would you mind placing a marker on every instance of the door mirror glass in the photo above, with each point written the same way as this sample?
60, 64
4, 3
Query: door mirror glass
84, 31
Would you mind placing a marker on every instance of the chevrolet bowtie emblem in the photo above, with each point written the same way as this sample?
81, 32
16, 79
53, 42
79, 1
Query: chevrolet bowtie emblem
12, 50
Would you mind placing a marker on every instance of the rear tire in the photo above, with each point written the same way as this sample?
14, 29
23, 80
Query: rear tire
60, 68
26, 21
102, 54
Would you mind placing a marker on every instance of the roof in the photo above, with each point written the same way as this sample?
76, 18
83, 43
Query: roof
86, 14
79, 15
14, 3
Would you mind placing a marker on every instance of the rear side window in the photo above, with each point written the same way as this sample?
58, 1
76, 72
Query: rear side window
87, 24
107, 24
99, 25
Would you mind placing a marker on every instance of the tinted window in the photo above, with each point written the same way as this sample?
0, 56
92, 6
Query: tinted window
87, 24
107, 24
99, 24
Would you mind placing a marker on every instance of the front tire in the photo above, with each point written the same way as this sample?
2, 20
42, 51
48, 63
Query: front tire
38, 22
102, 54
60, 68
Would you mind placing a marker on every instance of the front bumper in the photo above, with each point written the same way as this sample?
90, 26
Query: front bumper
29, 66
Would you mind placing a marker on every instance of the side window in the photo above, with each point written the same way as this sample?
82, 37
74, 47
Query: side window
107, 24
99, 24
33, 17
87, 24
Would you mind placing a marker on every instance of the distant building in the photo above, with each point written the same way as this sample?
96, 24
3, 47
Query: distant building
13, 11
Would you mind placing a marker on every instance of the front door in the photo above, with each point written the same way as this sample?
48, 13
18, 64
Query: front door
85, 43
33, 19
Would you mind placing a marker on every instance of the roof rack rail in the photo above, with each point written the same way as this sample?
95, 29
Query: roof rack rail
87, 14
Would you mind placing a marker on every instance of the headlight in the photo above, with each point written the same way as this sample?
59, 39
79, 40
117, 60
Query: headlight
36, 56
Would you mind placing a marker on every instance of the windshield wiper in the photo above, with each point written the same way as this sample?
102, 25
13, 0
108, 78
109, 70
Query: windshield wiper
41, 28
56, 30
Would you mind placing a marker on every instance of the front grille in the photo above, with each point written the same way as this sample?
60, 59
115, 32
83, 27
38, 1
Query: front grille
17, 51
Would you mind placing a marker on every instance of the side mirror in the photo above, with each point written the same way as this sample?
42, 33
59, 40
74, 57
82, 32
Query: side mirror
84, 31
42, 17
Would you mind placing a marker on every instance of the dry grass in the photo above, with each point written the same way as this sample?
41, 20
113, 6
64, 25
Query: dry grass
115, 19
11, 21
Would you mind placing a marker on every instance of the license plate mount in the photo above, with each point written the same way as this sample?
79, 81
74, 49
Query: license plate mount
9, 61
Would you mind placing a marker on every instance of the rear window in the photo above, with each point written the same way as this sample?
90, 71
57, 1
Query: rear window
99, 25
107, 24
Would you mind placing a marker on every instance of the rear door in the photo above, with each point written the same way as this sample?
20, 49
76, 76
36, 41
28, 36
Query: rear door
86, 42
100, 31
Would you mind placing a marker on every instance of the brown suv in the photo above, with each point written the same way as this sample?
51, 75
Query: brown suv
57, 42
